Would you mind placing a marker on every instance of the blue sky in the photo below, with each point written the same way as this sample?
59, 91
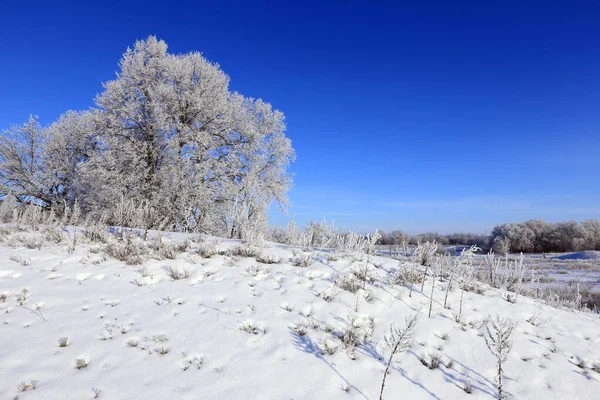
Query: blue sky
436, 116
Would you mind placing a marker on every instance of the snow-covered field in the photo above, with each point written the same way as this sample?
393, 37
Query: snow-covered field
239, 328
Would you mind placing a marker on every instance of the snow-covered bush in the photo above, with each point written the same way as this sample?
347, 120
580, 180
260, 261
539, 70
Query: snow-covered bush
497, 338
357, 331
303, 260
208, 250
81, 363
267, 258
250, 326
129, 251
329, 294
177, 274
398, 340
347, 282
243, 250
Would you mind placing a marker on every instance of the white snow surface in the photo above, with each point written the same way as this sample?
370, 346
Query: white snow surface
94, 303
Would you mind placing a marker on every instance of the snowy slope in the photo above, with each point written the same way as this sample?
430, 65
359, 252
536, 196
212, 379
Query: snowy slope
105, 307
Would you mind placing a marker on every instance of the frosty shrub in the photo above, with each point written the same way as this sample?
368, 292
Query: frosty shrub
167, 252
128, 251
52, 234
357, 331
176, 274
432, 361
243, 250
347, 282
302, 260
21, 260
497, 338
64, 341
81, 363
398, 340
266, 258
208, 250
192, 362
24, 386
96, 232
250, 326
329, 294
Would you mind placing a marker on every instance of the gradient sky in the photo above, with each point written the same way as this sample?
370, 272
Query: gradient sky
420, 116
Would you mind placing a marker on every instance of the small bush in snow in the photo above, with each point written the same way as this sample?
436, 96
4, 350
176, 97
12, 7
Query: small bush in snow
328, 348
468, 387
581, 363
287, 307
267, 258
138, 282
64, 341
398, 340
22, 297
96, 233
253, 270
162, 350
433, 361
356, 332
133, 342
300, 328
208, 250
192, 362
160, 337
130, 252
81, 363
243, 251
4, 296
250, 326
208, 272
52, 234
144, 272
301, 260
497, 338
176, 274
329, 295
97, 392
23, 386
347, 282
21, 260
167, 252
332, 257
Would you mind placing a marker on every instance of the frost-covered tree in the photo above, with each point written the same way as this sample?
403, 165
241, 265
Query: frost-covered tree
22, 163
174, 137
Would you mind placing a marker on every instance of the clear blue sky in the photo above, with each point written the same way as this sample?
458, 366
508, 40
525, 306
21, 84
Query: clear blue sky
446, 116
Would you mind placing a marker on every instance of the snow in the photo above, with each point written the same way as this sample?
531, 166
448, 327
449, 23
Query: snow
197, 322
582, 255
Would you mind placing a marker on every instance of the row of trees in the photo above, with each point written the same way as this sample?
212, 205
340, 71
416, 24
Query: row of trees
167, 142
535, 236
398, 237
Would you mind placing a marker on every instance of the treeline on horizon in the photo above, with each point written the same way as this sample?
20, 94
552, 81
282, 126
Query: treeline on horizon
532, 236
